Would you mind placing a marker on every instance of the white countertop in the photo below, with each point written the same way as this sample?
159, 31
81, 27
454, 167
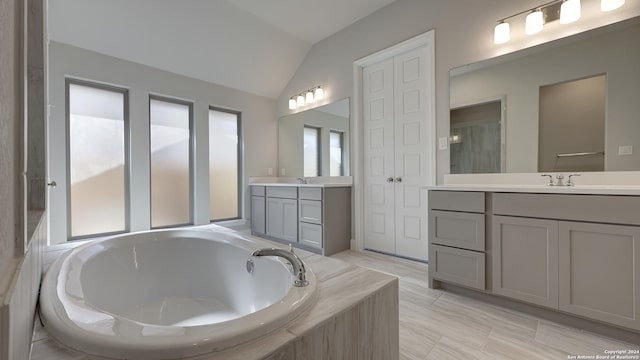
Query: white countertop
578, 189
303, 185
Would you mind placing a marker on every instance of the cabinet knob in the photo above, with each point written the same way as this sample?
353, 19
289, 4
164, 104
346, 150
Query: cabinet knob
390, 179
398, 179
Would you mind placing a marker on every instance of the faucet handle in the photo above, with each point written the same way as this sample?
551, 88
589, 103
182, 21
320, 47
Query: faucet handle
550, 183
570, 182
291, 248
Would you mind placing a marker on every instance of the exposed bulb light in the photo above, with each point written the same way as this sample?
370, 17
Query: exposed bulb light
569, 11
501, 33
292, 104
300, 100
534, 23
309, 96
319, 93
608, 5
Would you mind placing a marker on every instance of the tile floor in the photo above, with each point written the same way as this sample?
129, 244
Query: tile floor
439, 325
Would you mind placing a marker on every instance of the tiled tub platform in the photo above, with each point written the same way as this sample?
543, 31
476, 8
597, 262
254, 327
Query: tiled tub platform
355, 317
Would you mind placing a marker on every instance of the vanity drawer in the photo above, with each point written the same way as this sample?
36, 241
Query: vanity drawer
470, 201
285, 192
589, 208
310, 211
459, 229
310, 193
463, 267
257, 190
311, 235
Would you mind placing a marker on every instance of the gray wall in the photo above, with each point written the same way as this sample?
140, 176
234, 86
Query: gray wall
464, 34
259, 123
10, 122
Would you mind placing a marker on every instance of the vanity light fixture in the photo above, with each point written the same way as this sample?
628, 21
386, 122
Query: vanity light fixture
306, 97
608, 5
567, 11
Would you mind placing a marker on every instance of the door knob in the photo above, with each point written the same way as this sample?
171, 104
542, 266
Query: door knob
390, 179
52, 184
398, 179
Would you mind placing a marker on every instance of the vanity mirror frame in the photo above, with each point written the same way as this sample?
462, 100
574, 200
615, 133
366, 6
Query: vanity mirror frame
618, 103
291, 152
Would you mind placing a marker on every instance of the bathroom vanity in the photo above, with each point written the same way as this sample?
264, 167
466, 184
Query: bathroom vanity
575, 249
315, 217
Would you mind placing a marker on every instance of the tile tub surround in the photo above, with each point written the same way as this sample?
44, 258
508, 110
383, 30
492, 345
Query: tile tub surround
356, 317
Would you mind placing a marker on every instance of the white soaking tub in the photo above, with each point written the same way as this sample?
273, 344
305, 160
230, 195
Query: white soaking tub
168, 294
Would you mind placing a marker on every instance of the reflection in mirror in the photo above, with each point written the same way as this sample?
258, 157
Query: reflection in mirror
315, 142
569, 105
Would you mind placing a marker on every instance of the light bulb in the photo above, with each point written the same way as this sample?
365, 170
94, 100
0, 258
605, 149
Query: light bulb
292, 104
501, 33
608, 5
569, 11
534, 22
300, 100
319, 93
309, 97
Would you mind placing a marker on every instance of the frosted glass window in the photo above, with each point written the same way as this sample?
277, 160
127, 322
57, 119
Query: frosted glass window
170, 140
223, 164
336, 153
311, 151
97, 167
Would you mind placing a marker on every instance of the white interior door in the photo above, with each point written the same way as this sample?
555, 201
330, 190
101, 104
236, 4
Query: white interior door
398, 137
412, 134
379, 211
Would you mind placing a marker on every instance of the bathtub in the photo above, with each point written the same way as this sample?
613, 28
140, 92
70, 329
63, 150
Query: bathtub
168, 294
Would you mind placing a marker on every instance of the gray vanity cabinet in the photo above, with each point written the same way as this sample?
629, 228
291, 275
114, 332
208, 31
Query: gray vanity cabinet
600, 272
282, 213
525, 259
314, 218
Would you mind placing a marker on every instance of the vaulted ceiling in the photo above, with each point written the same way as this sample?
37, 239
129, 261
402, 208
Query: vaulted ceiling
251, 45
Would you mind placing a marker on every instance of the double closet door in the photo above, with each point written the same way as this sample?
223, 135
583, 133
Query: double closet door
396, 135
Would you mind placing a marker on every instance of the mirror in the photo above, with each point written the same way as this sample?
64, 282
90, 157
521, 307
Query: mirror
568, 105
315, 142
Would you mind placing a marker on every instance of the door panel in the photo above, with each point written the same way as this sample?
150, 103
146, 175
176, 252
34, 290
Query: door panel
411, 152
378, 157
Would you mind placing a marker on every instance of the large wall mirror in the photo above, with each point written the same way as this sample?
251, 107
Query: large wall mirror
568, 105
315, 142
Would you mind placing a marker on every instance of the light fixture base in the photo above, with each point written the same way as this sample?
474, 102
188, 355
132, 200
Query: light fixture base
551, 12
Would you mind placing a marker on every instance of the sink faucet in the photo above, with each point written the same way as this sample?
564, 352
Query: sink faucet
296, 263
560, 180
302, 180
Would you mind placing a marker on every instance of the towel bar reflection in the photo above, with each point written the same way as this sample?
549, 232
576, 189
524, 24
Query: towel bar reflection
581, 154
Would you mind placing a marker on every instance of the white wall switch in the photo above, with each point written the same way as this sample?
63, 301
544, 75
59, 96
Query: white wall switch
270, 171
283, 172
625, 150
443, 142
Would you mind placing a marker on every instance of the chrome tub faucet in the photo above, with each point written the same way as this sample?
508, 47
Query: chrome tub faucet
299, 271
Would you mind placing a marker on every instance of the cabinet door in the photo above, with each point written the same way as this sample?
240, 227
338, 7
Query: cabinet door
311, 235
310, 211
525, 259
600, 272
274, 217
458, 229
290, 220
257, 215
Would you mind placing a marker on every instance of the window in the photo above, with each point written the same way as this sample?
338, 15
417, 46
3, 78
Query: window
97, 132
170, 144
336, 153
311, 151
224, 164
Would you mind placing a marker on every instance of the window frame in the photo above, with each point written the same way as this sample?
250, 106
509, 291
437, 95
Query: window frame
318, 131
192, 179
127, 153
342, 153
240, 152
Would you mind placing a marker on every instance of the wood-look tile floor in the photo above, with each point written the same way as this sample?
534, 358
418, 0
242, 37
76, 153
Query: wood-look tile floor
436, 324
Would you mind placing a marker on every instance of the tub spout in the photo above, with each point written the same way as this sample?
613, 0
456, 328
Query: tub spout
296, 263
